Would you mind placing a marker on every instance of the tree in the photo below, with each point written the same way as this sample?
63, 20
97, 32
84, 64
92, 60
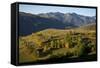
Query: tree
52, 44
58, 43
81, 47
68, 39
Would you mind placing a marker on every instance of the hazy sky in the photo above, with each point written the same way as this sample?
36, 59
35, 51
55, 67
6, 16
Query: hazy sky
36, 9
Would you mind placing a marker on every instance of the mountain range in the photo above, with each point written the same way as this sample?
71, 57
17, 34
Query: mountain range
29, 23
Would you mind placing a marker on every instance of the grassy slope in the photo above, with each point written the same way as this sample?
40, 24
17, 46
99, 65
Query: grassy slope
89, 27
26, 56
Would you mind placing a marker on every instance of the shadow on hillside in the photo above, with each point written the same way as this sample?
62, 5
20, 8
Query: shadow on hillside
64, 60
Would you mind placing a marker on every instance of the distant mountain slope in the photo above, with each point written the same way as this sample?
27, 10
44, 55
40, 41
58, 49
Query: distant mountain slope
32, 23
29, 23
89, 27
73, 18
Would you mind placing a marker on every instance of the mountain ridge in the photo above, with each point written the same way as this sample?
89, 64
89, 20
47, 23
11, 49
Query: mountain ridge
29, 23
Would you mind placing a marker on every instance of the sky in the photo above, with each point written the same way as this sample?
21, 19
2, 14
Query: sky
36, 9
